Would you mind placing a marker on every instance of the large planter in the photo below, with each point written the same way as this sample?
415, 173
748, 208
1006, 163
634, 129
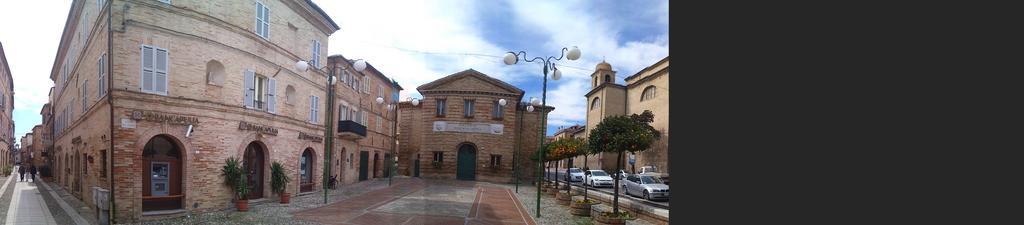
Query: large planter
598, 213
285, 198
563, 198
242, 205
579, 208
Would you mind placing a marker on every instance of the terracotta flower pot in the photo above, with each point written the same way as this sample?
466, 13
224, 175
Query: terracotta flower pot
286, 198
242, 205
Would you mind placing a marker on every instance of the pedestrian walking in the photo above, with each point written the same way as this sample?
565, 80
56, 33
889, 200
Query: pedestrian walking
21, 171
32, 171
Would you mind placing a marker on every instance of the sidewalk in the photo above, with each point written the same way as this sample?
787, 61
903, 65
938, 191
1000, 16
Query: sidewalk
34, 203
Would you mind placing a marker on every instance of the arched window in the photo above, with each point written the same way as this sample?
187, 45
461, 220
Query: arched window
214, 73
596, 103
649, 93
607, 78
162, 186
289, 94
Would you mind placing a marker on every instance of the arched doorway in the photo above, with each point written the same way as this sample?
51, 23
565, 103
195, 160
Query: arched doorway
306, 171
162, 175
253, 163
466, 162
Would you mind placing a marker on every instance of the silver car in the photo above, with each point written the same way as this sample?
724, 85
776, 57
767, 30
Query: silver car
646, 186
598, 178
575, 175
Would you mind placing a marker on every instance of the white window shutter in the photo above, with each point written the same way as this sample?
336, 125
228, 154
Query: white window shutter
259, 18
160, 78
248, 88
147, 68
101, 84
272, 96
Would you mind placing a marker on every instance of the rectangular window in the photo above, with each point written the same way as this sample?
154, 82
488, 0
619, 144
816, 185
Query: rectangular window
441, 107
260, 92
495, 161
497, 111
438, 159
366, 85
378, 124
467, 108
355, 83
343, 110
262, 23
366, 119
85, 28
102, 67
380, 92
316, 54
154, 70
85, 96
314, 108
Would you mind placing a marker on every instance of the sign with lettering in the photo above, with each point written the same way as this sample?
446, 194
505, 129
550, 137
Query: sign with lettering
165, 118
467, 127
314, 138
242, 125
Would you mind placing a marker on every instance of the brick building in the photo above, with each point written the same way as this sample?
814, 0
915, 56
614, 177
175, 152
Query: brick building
460, 131
6, 112
645, 90
125, 97
364, 128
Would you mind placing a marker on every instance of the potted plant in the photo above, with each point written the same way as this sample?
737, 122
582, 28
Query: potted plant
581, 206
278, 181
234, 178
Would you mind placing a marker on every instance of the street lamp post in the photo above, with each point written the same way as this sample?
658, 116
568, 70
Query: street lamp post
328, 137
394, 135
513, 58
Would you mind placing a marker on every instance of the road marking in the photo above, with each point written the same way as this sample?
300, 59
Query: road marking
64, 205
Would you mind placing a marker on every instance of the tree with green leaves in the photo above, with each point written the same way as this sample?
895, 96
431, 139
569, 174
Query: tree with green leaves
618, 134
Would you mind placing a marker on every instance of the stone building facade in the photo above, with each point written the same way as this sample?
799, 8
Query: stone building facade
364, 133
459, 131
646, 90
126, 97
7, 137
38, 148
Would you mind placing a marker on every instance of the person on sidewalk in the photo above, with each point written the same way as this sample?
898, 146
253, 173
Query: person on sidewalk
32, 171
21, 171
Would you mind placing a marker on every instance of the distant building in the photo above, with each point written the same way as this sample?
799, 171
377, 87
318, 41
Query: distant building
646, 90
459, 130
6, 112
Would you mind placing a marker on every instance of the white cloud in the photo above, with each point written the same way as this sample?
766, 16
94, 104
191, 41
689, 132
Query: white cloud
31, 35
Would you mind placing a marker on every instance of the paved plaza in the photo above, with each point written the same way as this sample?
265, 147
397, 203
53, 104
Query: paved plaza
425, 202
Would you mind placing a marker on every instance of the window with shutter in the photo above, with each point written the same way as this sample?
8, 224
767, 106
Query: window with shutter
343, 110
262, 23
316, 54
378, 123
313, 108
85, 96
366, 85
271, 95
497, 111
102, 83
249, 89
154, 70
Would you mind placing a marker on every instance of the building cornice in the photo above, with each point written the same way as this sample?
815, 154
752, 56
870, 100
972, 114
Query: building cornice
602, 86
661, 72
664, 60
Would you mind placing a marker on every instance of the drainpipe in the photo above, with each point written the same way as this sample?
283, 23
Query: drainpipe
110, 102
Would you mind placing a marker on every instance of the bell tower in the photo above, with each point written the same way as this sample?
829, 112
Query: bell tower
603, 73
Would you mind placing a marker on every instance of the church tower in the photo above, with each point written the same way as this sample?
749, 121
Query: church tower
606, 98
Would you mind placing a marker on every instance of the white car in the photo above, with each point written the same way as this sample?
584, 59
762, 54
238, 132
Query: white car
598, 178
575, 175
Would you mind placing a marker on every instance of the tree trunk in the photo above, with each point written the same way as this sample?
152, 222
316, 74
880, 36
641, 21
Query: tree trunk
568, 178
585, 188
618, 166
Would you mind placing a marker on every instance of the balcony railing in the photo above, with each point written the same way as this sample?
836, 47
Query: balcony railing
351, 130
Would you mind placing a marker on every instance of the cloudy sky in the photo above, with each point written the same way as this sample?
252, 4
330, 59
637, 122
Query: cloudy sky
414, 42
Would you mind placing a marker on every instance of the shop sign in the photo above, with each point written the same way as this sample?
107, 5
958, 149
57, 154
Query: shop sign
242, 125
314, 138
165, 118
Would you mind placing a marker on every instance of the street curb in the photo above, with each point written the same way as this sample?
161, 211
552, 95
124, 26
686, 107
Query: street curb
79, 220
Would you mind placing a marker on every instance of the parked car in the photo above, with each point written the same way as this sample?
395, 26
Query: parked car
646, 186
598, 178
653, 171
575, 175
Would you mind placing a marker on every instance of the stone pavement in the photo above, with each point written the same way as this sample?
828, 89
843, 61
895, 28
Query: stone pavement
27, 206
425, 202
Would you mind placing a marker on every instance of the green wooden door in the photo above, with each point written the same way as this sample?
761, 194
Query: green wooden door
364, 158
467, 163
